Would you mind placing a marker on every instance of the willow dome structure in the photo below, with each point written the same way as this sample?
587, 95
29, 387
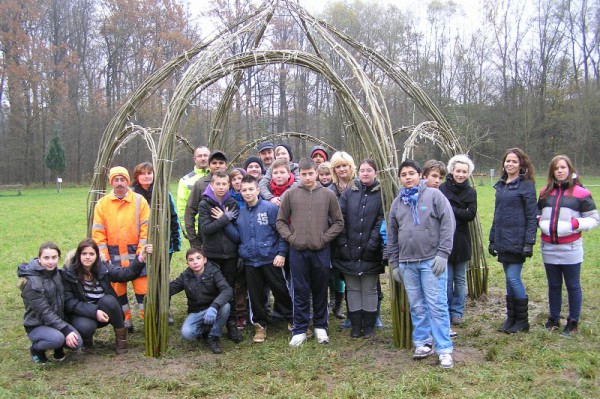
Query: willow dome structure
367, 130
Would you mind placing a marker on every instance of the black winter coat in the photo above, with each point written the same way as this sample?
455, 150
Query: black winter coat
216, 244
463, 199
175, 237
359, 247
43, 296
75, 301
210, 289
515, 219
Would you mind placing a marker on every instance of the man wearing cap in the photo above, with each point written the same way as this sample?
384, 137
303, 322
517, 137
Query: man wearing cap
120, 229
216, 161
186, 183
266, 154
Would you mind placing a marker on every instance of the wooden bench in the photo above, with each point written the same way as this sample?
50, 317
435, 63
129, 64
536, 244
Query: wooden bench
10, 187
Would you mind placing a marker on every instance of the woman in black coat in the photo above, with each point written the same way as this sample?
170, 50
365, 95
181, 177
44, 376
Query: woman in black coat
359, 248
513, 233
463, 199
90, 300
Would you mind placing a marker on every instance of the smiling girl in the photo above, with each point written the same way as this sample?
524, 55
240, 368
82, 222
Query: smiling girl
512, 235
90, 300
463, 199
43, 296
567, 209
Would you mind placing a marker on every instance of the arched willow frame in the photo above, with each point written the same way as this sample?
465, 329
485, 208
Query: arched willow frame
366, 124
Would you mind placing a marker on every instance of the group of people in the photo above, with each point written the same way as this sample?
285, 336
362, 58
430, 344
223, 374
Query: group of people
296, 231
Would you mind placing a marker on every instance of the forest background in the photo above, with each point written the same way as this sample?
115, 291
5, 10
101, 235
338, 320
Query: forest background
508, 73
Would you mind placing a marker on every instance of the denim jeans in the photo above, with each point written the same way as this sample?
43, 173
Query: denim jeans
44, 338
555, 274
194, 326
514, 284
457, 287
428, 305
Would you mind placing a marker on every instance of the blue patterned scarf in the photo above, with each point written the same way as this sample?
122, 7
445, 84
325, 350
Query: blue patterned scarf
409, 197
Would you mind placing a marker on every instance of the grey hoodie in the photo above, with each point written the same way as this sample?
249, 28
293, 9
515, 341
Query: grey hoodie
432, 237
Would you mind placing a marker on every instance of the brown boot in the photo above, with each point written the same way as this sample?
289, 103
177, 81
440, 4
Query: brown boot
121, 340
260, 334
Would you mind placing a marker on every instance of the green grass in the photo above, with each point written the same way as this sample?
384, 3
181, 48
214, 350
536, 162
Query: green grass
488, 364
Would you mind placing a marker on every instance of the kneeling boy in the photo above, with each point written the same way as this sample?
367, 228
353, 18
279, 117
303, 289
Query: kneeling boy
208, 296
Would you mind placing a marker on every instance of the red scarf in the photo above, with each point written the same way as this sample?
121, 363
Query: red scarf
278, 191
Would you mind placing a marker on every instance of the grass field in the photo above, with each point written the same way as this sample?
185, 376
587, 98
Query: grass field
488, 364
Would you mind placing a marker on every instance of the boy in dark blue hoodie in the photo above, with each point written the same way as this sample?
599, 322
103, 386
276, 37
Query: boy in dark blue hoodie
263, 253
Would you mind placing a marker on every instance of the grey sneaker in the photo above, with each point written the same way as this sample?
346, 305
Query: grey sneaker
421, 352
446, 361
456, 320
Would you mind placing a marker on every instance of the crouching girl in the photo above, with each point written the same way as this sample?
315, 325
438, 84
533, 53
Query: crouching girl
90, 299
43, 296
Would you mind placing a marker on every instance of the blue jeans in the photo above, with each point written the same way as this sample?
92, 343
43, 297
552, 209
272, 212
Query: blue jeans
555, 274
514, 284
194, 326
44, 338
457, 287
428, 305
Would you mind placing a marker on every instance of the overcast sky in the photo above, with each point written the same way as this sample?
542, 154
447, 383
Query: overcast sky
418, 7
472, 10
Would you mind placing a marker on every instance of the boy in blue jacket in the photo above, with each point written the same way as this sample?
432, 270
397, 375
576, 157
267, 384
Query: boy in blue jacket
263, 253
208, 296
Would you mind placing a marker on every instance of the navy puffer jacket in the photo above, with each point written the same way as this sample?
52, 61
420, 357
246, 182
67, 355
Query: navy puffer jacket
359, 248
515, 216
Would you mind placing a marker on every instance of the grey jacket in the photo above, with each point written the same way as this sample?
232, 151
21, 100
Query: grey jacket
432, 237
43, 296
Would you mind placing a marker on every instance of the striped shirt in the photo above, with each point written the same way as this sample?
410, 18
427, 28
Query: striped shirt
93, 291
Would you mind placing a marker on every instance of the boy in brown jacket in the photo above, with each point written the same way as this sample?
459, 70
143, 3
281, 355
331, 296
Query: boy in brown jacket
309, 219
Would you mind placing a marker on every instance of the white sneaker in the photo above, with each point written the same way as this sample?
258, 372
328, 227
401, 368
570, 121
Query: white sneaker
446, 361
453, 333
297, 340
421, 352
321, 334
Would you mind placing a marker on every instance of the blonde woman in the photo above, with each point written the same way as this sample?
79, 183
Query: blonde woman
343, 172
463, 199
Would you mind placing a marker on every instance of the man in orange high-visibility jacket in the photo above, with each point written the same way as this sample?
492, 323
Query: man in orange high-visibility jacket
120, 229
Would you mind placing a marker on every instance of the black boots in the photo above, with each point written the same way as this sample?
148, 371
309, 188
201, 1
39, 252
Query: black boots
232, 332
510, 314
356, 321
214, 344
368, 319
521, 323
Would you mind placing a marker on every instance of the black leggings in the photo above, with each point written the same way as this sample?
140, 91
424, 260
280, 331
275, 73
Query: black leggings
88, 326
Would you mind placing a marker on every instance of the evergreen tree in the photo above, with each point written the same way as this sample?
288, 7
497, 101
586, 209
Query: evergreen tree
55, 158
